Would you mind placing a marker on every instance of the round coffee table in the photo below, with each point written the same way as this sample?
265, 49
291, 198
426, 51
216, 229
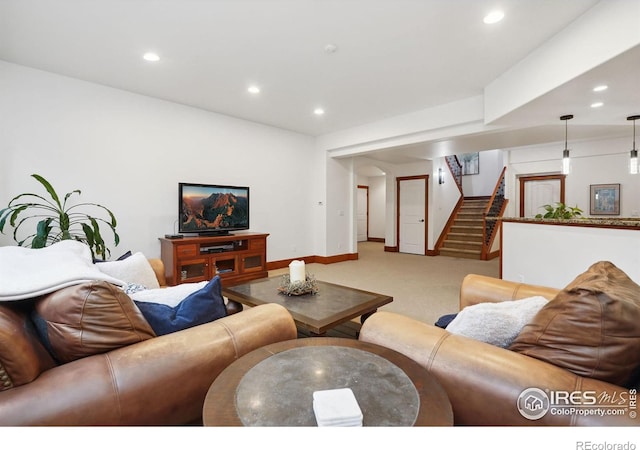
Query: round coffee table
274, 385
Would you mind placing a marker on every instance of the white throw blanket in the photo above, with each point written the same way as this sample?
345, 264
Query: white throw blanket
27, 272
170, 296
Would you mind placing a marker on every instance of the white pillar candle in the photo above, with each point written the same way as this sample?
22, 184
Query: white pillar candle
296, 272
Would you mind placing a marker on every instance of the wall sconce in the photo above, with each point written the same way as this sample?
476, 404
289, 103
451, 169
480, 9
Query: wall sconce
566, 162
633, 157
441, 175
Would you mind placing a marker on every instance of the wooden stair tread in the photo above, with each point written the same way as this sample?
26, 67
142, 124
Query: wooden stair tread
466, 235
455, 241
460, 250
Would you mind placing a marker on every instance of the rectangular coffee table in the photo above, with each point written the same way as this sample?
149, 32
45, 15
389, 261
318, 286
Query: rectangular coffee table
316, 313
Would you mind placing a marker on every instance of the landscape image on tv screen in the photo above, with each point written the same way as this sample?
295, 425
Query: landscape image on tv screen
210, 208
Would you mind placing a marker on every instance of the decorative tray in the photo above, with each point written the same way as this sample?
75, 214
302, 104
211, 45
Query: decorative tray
309, 286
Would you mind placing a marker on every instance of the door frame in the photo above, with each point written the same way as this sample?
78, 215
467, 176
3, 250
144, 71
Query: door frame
426, 209
366, 188
523, 179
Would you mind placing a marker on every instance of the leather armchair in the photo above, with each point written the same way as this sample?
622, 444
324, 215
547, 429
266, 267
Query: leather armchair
484, 382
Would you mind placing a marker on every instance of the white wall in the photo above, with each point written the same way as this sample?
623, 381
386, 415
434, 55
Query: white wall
601, 161
388, 186
553, 255
316, 171
377, 206
443, 199
483, 183
377, 196
129, 152
377, 193
340, 207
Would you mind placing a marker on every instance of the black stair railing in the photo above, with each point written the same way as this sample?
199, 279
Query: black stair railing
456, 169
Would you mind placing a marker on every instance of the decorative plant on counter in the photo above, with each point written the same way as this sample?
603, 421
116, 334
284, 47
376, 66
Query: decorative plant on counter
56, 220
560, 211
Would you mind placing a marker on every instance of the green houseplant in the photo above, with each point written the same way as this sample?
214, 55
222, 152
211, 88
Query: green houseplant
560, 211
56, 220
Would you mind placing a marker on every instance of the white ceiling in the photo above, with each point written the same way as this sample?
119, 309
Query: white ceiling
393, 57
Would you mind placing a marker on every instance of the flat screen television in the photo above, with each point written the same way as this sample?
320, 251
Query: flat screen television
212, 209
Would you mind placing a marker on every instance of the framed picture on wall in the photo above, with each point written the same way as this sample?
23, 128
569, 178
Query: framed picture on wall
605, 199
470, 163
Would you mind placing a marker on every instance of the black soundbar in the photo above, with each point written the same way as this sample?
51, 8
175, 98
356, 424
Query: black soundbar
217, 248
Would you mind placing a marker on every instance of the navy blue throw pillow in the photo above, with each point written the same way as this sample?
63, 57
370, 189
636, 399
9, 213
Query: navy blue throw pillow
202, 306
445, 320
121, 258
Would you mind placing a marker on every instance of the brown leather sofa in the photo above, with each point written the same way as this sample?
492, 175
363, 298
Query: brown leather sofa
159, 381
484, 382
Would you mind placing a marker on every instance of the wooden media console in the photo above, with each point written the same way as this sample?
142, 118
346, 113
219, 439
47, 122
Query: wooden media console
236, 258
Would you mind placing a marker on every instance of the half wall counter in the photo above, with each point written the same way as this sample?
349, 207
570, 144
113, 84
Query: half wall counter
552, 252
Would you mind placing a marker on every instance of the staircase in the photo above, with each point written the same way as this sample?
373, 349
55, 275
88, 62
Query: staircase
464, 239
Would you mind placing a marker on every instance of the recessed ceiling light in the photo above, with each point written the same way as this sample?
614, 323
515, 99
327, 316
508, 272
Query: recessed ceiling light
254, 89
493, 17
318, 111
330, 48
150, 56
597, 104
600, 88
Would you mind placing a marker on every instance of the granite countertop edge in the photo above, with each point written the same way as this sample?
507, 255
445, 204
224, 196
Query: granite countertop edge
627, 222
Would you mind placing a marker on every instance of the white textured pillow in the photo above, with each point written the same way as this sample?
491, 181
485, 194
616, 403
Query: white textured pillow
170, 296
496, 323
133, 270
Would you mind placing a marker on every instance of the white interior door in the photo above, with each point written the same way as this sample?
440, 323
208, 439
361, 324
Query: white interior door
412, 214
538, 193
362, 213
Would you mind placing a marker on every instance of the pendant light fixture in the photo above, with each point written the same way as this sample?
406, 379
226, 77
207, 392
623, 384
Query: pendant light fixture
565, 153
633, 158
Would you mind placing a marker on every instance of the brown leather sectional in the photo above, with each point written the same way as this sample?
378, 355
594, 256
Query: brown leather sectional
158, 381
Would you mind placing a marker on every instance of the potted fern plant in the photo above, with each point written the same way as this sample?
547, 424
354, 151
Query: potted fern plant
560, 211
57, 220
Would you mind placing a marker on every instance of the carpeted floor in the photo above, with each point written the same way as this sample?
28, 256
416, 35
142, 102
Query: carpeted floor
422, 287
